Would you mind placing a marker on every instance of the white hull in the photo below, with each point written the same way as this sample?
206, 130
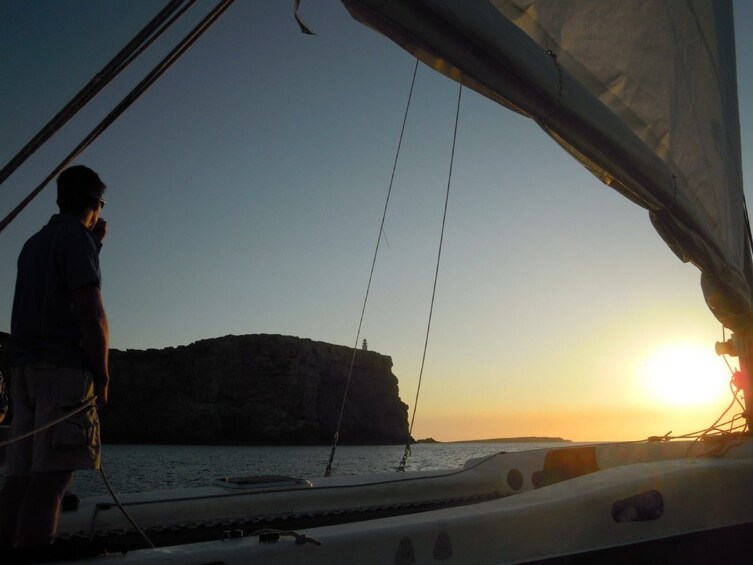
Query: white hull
626, 496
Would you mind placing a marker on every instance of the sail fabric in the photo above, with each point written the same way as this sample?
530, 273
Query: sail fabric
642, 92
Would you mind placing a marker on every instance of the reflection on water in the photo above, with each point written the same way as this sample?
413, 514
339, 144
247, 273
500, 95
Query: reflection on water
136, 468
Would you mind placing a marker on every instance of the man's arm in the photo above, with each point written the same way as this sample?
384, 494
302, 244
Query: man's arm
92, 320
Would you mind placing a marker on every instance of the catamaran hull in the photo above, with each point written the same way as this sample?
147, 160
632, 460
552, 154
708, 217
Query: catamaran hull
678, 502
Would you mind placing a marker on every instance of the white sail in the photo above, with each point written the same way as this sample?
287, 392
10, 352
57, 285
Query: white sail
643, 93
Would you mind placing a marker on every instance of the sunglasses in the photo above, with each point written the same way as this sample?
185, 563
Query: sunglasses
101, 202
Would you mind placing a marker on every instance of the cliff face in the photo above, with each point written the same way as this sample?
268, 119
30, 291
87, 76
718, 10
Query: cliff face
261, 389
252, 389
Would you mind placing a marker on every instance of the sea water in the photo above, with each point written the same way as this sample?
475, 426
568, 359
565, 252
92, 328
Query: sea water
138, 468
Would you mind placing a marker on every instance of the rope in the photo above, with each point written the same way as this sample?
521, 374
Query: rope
401, 467
86, 404
714, 430
122, 509
730, 429
132, 96
328, 470
116, 65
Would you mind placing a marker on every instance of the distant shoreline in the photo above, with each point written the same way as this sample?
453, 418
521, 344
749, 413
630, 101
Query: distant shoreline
531, 439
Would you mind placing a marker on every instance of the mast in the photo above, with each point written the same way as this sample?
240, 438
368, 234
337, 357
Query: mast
741, 346
746, 366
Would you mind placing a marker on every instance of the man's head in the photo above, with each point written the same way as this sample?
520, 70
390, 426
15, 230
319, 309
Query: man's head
79, 190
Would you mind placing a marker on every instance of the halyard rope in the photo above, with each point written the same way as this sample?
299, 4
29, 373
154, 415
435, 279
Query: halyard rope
401, 467
328, 470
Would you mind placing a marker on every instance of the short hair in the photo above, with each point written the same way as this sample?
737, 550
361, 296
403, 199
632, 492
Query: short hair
78, 187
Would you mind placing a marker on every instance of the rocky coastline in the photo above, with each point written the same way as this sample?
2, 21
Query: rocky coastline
249, 389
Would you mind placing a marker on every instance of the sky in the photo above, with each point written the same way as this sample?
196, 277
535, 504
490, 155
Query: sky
245, 194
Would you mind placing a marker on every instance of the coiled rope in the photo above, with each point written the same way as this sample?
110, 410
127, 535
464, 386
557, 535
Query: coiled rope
401, 466
380, 234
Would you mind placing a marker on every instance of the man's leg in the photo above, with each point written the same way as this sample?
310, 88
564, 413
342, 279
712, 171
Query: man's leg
18, 457
40, 510
11, 497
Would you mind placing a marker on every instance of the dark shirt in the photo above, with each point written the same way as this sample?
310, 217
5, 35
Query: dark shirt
59, 259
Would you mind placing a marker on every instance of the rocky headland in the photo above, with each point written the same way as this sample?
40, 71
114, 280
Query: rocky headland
250, 389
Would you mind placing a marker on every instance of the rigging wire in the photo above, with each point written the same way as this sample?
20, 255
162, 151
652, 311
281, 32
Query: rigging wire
328, 470
130, 98
401, 467
117, 64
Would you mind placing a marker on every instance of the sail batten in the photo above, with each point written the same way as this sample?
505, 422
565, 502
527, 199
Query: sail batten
646, 99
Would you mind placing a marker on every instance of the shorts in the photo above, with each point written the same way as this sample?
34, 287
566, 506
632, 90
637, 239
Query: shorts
41, 393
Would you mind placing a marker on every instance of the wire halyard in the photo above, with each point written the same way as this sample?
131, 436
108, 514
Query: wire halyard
406, 454
336, 438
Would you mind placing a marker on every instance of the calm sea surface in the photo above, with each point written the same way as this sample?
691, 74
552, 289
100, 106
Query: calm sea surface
136, 468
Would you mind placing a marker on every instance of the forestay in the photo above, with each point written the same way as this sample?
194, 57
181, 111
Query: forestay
643, 93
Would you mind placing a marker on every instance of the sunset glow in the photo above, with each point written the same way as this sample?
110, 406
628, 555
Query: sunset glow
684, 374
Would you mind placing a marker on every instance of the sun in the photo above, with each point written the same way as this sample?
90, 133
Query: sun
684, 374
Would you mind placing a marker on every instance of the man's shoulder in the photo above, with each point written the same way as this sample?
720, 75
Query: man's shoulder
66, 242
71, 233
60, 226
56, 233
